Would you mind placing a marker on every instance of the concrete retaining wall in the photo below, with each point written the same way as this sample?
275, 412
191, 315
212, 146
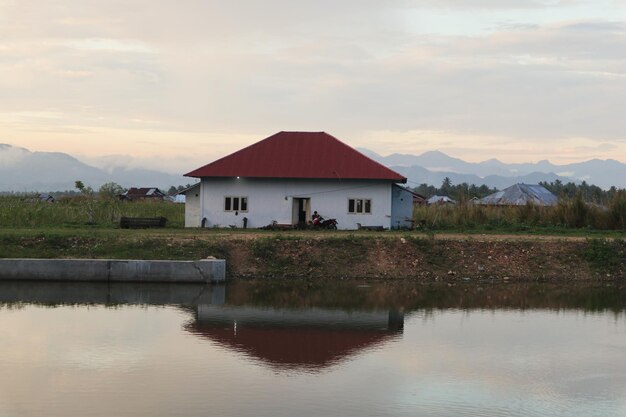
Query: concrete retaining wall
113, 270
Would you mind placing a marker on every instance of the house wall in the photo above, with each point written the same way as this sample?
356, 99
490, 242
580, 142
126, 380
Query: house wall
192, 207
272, 200
401, 208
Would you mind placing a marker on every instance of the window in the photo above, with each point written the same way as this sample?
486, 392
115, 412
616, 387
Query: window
235, 203
359, 206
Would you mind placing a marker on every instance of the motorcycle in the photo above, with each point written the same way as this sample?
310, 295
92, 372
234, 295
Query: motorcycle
321, 223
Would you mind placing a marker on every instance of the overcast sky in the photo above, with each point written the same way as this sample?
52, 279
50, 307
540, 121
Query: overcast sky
176, 84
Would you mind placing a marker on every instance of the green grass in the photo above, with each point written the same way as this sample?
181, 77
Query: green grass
603, 254
571, 214
81, 211
105, 244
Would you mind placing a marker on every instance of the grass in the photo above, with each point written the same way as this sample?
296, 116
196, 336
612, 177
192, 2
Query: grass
80, 211
568, 215
604, 254
116, 244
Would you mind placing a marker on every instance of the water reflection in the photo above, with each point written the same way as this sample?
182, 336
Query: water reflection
278, 348
306, 339
296, 339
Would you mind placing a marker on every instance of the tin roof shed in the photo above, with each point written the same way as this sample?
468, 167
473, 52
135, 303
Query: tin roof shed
520, 195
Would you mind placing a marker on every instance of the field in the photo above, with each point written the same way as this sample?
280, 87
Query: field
450, 244
569, 217
79, 211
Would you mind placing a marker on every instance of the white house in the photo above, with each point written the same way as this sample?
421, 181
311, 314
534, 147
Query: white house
289, 175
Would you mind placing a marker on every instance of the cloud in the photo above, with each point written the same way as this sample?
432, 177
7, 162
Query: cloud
217, 70
11, 155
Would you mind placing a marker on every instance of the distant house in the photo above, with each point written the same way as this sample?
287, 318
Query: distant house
143, 194
440, 200
286, 177
46, 198
520, 195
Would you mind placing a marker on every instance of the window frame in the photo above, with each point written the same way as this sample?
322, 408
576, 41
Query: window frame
360, 205
235, 203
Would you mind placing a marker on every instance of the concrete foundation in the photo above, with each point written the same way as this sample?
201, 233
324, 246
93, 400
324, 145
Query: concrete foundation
113, 270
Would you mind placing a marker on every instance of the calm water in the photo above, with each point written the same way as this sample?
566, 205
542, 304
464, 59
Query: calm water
278, 349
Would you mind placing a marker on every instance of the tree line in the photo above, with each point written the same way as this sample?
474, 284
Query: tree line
588, 193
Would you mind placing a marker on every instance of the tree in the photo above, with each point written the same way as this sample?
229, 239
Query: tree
89, 203
110, 190
86, 191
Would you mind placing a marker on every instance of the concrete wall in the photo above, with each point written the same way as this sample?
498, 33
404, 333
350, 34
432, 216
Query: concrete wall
272, 200
203, 271
401, 208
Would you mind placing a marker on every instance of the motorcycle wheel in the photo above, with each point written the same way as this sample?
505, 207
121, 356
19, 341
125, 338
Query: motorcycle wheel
333, 227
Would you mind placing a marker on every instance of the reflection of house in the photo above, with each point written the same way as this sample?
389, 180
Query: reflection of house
286, 177
306, 339
143, 194
520, 195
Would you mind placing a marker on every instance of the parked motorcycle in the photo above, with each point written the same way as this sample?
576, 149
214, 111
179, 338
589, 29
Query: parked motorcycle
325, 224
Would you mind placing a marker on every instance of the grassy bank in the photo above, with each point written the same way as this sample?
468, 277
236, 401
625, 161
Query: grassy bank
340, 255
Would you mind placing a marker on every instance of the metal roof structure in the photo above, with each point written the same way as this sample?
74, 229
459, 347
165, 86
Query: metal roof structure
144, 192
306, 155
520, 195
440, 199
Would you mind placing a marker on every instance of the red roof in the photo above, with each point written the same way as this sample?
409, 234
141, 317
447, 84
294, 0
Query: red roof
313, 155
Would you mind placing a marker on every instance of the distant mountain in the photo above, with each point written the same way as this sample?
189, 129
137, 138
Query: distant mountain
23, 171
418, 175
494, 173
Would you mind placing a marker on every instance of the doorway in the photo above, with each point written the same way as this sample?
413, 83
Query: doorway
301, 211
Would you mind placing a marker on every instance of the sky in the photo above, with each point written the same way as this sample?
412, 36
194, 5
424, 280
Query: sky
176, 84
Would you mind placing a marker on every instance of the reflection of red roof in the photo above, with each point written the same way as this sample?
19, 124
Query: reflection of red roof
312, 155
293, 347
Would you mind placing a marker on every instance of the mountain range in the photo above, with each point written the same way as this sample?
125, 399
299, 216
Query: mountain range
433, 166
22, 170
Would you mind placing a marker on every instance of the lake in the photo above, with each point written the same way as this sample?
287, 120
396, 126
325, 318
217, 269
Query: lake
281, 348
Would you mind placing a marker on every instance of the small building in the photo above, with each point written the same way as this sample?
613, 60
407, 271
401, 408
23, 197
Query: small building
520, 195
143, 194
46, 198
286, 177
402, 205
440, 200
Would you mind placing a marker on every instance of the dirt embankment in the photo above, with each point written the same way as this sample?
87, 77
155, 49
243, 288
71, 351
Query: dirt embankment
425, 259
338, 255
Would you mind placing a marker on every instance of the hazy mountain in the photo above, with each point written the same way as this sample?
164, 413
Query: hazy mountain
603, 173
22, 170
418, 175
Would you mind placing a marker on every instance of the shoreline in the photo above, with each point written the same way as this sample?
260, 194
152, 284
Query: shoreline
337, 256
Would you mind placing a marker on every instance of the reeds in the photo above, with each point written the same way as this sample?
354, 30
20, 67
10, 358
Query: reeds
570, 214
29, 211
